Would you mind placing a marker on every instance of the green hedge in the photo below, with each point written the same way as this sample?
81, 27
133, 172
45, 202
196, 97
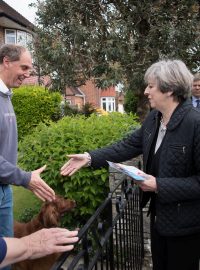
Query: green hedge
50, 144
32, 105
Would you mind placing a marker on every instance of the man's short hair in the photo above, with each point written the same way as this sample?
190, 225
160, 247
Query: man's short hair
196, 77
13, 52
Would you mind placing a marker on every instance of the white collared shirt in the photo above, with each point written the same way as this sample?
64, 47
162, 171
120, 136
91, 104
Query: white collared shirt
194, 99
3, 88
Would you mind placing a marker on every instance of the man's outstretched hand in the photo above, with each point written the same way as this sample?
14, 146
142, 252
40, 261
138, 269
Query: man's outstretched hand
39, 187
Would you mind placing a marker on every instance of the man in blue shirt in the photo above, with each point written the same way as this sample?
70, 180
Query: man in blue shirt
196, 91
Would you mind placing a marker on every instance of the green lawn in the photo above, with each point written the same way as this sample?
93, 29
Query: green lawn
23, 199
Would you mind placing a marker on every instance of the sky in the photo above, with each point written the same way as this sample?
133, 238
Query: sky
22, 7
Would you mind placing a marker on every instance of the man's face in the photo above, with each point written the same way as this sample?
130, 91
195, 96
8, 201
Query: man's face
196, 89
17, 71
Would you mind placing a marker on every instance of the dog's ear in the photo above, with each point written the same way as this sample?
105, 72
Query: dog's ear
49, 215
51, 212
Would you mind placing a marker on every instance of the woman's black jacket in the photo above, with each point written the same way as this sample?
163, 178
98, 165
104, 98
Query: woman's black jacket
178, 180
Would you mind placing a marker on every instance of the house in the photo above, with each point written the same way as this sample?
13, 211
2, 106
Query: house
14, 28
75, 97
110, 99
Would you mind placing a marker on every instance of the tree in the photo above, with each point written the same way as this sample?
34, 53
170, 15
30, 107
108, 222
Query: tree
115, 41
130, 102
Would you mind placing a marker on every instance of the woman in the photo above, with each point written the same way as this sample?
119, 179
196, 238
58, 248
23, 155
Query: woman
169, 140
36, 245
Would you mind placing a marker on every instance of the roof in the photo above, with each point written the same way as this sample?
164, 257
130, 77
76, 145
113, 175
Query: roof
10, 13
73, 91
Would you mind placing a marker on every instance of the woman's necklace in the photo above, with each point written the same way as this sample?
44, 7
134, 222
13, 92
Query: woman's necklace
163, 127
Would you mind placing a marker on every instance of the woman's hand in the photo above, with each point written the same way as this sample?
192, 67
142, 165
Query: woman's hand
75, 163
149, 184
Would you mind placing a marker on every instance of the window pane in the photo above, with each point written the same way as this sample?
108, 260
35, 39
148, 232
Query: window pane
29, 40
108, 104
10, 40
21, 38
10, 36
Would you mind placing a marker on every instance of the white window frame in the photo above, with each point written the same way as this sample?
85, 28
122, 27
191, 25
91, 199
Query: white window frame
14, 36
108, 104
20, 37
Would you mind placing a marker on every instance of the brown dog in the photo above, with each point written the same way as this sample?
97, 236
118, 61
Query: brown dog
48, 217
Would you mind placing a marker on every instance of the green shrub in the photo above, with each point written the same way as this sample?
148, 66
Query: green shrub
32, 105
69, 110
88, 109
50, 144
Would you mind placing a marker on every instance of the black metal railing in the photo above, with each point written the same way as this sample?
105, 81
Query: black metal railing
113, 237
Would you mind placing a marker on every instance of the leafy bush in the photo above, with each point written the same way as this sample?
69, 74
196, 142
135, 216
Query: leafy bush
32, 105
88, 109
50, 144
70, 110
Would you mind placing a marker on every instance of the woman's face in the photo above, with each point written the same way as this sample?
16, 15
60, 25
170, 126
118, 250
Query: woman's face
156, 98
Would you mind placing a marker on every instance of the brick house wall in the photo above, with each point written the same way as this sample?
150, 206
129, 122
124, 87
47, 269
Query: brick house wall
108, 92
34, 80
2, 40
78, 101
92, 93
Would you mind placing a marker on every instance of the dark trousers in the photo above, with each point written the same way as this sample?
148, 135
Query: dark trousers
175, 253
